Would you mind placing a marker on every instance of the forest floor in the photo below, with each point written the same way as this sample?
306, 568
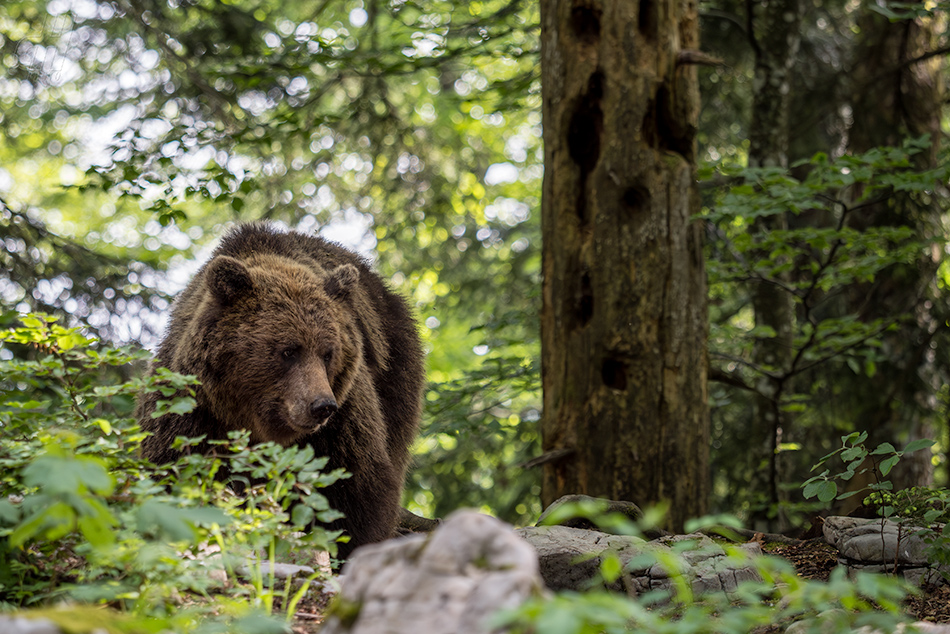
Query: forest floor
310, 612
813, 559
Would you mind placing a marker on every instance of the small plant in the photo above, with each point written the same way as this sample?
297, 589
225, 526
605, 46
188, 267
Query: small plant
858, 459
925, 508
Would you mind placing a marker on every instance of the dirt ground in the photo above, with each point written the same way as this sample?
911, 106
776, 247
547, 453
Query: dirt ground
814, 559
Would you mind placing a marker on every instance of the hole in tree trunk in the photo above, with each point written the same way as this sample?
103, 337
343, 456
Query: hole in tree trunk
635, 198
583, 137
585, 22
646, 20
614, 373
587, 123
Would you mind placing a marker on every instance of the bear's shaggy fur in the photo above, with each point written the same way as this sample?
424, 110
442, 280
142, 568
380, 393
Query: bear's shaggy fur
296, 340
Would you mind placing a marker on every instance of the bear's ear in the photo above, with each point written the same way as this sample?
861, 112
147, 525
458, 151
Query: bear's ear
341, 280
228, 279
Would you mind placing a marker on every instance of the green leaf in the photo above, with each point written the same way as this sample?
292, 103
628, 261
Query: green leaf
855, 438
31, 321
180, 406
53, 522
824, 489
57, 474
164, 519
104, 425
96, 531
257, 623
71, 340
884, 448
206, 516
611, 567
888, 463
827, 491
847, 494
9, 512
853, 453
916, 445
302, 515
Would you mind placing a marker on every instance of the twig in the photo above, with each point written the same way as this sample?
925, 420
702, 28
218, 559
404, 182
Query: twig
550, 456
306, 616
749, 364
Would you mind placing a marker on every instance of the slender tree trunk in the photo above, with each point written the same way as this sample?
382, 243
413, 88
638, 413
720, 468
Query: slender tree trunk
774, 34
894, 99
624, 297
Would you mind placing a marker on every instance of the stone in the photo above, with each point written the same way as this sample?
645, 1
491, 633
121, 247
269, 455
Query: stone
831, 622
870, 541
279, 570
871, 545
627, 509
20, 625
448, 582
571, 558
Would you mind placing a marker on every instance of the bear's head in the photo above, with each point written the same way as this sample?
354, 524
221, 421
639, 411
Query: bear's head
280, 346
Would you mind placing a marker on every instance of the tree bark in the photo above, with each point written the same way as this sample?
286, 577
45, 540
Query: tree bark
895, 98
624, 295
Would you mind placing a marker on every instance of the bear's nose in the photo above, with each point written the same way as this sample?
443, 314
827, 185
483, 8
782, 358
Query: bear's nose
322, 408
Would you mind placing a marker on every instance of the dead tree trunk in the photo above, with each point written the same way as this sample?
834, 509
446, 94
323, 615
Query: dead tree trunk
624, 297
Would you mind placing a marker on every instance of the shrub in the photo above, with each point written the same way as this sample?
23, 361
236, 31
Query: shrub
84, 518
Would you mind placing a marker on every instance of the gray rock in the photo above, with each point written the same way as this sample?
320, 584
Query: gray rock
280, 571
568, 558
571, 558
20, 625
449, 582
926, 627
874, 546
627, 509
870, 541
835, 622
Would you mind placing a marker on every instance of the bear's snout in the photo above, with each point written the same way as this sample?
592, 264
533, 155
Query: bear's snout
322, 408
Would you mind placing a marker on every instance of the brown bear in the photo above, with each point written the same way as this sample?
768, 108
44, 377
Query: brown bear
296, 340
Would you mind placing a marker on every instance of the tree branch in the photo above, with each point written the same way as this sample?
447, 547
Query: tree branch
729, 378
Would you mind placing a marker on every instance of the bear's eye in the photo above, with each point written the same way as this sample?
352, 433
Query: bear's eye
290, 355
328, 357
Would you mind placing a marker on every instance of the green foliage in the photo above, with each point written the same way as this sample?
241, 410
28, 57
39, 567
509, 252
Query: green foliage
924, 507
917, 504
83, 517
825, 257
480, 427
376, 125
900, 11
858, 459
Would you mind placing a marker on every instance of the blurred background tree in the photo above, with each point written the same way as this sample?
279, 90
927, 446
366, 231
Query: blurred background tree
852, 78
132, 132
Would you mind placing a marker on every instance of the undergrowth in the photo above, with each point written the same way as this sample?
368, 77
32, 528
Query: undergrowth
85, 521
